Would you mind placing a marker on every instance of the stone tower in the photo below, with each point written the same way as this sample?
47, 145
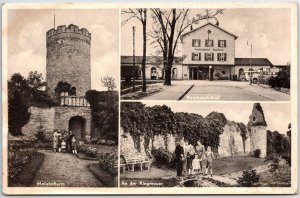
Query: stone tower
258, 130
68, 58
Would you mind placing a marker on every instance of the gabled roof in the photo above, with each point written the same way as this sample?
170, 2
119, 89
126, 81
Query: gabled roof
149, 60
254, 61
206, 25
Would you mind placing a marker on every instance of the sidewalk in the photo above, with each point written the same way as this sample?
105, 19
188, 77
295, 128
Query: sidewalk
173, 92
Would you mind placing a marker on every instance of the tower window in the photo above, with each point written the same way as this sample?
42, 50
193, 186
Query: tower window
254, 118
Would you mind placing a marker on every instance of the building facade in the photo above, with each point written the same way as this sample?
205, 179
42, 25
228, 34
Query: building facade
208, 52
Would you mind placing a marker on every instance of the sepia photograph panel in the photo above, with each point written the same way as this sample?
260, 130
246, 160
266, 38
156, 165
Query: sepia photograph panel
63, 98
241, 54
165, 144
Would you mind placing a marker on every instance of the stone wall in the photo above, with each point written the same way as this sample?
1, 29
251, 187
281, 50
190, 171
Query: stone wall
231, 142
55, 118
258, 140
68, 58
64, 114
39, 116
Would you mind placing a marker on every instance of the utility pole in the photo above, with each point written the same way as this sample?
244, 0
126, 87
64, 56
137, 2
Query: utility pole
251, 66
133, 70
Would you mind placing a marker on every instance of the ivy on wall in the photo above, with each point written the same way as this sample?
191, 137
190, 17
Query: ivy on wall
139, 120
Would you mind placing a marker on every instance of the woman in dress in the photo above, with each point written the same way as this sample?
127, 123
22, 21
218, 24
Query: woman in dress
200, 151
55, 141
190, 157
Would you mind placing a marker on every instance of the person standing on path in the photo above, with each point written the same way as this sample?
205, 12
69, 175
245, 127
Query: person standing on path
179, 152
200, 151
55, 141
209, 158
190, 156
184, 164
69, 140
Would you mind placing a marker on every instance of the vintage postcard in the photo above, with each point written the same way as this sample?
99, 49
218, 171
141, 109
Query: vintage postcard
144, 98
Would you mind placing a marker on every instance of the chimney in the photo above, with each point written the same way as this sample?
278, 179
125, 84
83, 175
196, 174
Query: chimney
217, 23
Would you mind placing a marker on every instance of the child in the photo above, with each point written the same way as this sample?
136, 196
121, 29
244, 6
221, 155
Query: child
209, 158
63, 146
74, 151
196, 165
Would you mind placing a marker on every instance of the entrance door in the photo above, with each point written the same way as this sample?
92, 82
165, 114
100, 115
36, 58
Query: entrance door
203, 73
77, 126
193, 73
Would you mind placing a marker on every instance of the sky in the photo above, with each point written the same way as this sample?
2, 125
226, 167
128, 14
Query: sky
27, 40
277, 115
267, 29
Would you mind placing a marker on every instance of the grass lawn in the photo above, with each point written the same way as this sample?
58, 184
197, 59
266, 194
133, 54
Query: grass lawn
220, 167
280, 179
104, 148
106, 178
125, 85
232, 164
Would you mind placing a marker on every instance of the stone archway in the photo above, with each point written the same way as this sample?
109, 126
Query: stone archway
77, 125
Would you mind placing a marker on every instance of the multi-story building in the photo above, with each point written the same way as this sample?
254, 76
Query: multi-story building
208, 52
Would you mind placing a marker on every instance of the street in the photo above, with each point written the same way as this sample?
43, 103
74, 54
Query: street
218, 91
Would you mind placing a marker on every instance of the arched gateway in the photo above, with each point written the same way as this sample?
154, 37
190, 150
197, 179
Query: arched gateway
77, 126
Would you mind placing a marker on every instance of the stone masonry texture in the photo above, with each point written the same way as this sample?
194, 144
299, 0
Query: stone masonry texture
68, 58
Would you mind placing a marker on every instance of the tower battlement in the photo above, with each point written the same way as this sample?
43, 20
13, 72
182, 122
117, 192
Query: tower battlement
70, 29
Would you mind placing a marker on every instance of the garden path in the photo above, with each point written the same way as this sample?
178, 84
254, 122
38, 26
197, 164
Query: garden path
66, 169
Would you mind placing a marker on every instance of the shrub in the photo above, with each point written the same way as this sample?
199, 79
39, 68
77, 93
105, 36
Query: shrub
287, 158
249, 178
107, 161
256, 153
40, 135
163, 157
17, 161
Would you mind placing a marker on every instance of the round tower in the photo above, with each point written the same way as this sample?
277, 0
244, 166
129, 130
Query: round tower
68, 58
258, 130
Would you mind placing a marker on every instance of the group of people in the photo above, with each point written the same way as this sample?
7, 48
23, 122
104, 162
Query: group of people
65, 143
190, 159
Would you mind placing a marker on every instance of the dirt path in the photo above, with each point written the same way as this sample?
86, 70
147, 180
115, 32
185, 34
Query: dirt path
65, 169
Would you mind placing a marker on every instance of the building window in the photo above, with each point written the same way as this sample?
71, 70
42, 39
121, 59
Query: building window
209, 56
223, 72
196, 56
222, 43
222, 57
196, 42
209, 43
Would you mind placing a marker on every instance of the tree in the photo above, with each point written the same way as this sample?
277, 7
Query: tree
35, 80
18, 114
105, 111
141, 15
249, 178
63, 86
169, 25
109, 82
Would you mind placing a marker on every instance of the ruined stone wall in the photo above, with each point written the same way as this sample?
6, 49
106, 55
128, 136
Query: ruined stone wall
68, 58
231, 142
258, 140
128, 146
39, 116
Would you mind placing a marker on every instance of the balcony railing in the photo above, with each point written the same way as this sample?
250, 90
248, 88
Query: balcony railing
73, 101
